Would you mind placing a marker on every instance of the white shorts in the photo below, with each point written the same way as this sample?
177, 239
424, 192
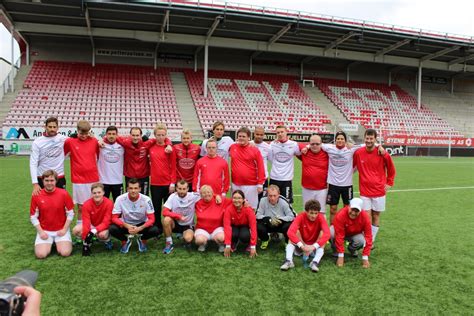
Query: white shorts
318, 195
81, 192
250, 192
204, 233
53, 238
376, 204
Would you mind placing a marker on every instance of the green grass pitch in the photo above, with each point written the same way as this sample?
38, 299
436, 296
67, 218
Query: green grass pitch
423, 263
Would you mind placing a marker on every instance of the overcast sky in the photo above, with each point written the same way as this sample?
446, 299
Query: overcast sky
453, 16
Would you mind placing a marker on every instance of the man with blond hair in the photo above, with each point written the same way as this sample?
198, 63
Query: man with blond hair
187, 155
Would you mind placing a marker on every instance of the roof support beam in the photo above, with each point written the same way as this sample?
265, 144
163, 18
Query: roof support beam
89, 27
439, 53
392, 47
165, 25
280, 33
308, 59
214, 26
338, 41
461, 59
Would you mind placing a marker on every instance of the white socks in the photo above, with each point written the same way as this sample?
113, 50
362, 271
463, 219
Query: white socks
375, 230
169, 240
319, 254
290, 249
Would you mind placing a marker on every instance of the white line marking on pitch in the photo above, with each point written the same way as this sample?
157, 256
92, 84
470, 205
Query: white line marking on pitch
426, 189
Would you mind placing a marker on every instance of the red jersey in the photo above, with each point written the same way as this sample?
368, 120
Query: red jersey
246, 165
213, 172
186, 158
163, 166
99, 216
346, 226
246, 217
50, 208
136, 163
309, 230
209, 215
314, 170
84, 154
375, 171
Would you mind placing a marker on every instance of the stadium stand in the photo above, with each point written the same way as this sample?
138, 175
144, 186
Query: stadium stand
261, 99
121, 95
385, 108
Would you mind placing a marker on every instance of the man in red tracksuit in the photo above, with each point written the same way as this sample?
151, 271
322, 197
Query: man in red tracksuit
376, 177
353, 225
305, 236
187, 154
163, 172
211, 170
248, 171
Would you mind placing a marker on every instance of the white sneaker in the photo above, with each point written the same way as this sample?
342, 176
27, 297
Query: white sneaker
202, 248
221, 248
287, 265
314, 266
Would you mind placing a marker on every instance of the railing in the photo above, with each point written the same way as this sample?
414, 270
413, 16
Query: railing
7, 84
302, 15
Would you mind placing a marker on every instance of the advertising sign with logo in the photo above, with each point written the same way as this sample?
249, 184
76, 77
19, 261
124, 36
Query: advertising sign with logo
428, 141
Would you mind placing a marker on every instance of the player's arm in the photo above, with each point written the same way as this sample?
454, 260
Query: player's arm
390, 166
168, 213
34, 160
150, 216
289, 215
226, 179
34, 218
292, 232
253, 232
172, 162
339, 234
69, 209
326, 234
196, 175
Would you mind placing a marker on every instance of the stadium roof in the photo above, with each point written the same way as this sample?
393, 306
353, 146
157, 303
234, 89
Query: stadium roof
261, 31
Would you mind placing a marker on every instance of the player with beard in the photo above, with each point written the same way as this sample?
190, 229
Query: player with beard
223, 142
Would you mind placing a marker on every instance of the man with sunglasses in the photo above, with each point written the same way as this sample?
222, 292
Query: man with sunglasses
352, 225
314, 172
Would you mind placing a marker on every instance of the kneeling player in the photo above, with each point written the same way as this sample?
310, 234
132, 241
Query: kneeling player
96, 217
352, 225
304, 234
51, 212
178, 213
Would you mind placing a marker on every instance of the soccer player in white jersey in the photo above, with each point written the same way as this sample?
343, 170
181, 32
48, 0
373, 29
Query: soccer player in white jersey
264, 148
178, 215
110, 164
282, 152
133, 216
47, 153
223, 142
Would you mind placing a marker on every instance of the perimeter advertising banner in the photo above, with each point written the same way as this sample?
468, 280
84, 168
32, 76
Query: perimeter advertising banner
428, 141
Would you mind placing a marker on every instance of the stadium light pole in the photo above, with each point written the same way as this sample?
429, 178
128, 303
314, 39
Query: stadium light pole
420, 71
206, 62
12, 85
389, 78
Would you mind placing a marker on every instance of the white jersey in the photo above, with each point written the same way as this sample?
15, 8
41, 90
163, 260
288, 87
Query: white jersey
264, 149
222, 147
47, 153
136, 212
110, 164
282, 158
183, 206
340, 164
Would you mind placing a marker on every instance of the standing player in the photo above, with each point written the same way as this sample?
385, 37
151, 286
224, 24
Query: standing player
96, 217
47, 153
274, 215
352, 225
264, 148
314, 172
133, 215
178, 215
376, 177
110, 164
212, 170
51, 212
223, 142
309, 232
83, 151
247, 167
282, 151
163, 172
187, 155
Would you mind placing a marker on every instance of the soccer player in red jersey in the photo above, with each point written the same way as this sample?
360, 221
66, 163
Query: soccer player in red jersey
96, 219
308, 234
84, 151
212, 170
187, 154
376, 177
209, 219
240, 225
51, 212
352, 225
248, 171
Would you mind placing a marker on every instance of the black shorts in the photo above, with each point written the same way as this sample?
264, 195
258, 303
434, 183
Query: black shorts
115, 189
335, 192
61, 183
286, 189
180, 228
